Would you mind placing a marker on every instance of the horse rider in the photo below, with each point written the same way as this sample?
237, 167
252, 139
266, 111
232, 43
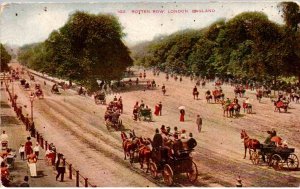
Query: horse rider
115, 98
208, 92
235, 100
163, 88
137, 81
153, 83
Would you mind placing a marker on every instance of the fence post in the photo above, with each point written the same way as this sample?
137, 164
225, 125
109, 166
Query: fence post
70, 171
77, 178
85, 182
46, 145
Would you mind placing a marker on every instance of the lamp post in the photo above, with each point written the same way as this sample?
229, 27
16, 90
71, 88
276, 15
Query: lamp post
31, 103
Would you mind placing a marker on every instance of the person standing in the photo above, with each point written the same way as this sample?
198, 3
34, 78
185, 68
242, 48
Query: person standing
28, 145
157, 140
199, 123
36, 150
156, 110
22, 152
182, 113
60, 167
160, 108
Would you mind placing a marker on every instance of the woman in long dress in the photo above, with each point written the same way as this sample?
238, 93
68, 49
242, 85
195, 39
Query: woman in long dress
182, 112
156, 111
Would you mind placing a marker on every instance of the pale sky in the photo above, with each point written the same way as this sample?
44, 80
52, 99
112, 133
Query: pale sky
23, 23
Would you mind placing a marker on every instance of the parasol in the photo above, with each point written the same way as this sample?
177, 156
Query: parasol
181, 107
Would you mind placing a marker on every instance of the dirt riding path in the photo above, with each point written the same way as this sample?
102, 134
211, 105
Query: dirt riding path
76, 125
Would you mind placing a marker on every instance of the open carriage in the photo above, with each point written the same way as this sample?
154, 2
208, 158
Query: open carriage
281, 105
146, 114
171, 166
100, 98
112, 120
276, 157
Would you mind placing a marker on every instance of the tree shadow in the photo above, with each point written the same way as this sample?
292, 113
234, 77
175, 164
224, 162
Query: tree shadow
9, 120
4, 105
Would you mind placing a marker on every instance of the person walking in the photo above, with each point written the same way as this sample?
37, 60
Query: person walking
182, 113
199, 123
28, 146
22, 152
60, 167
160, 108
36, 150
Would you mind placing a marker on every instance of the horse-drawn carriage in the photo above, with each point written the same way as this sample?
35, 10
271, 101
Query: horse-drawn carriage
23, 82
170, 166
100, 98
54, 89
276, 157
281, 105
218, 95
112, 120
146, 114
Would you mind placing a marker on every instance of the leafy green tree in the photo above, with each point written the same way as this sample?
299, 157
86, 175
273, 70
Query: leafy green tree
5, 59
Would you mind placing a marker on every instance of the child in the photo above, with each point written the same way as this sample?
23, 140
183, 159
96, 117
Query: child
22, 151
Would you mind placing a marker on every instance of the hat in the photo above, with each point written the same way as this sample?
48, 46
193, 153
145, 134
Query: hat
183, 130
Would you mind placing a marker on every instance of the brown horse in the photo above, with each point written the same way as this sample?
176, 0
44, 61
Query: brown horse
129, 146
144, 152
249, 143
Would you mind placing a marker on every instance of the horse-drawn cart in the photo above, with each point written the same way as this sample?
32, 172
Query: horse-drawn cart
100, 98
113, 120
146, 113
173, 166
276, 157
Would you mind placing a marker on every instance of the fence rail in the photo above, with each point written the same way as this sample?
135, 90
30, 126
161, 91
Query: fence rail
44, 143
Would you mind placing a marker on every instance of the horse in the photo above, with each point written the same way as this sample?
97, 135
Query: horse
281, 105
247, 107
218, 95
195, 94
208, 98
227, 109
129, 145
249, 143
144, 152
259, 96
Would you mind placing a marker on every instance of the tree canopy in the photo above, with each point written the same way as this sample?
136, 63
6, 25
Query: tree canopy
5, 58
86, 49
248, 46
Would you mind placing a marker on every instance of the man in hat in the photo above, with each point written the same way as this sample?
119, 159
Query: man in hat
60, 167
160, 108
157, 140
199, 123
191, 143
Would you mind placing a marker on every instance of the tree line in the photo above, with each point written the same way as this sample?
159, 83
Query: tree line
5, 58
87, 48
248, 46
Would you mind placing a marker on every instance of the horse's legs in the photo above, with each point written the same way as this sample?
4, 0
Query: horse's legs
245, 152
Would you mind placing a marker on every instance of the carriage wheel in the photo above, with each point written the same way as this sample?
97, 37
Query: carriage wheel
168, 175
255, 158
292, 161
193, 173
153, 170
277, 162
